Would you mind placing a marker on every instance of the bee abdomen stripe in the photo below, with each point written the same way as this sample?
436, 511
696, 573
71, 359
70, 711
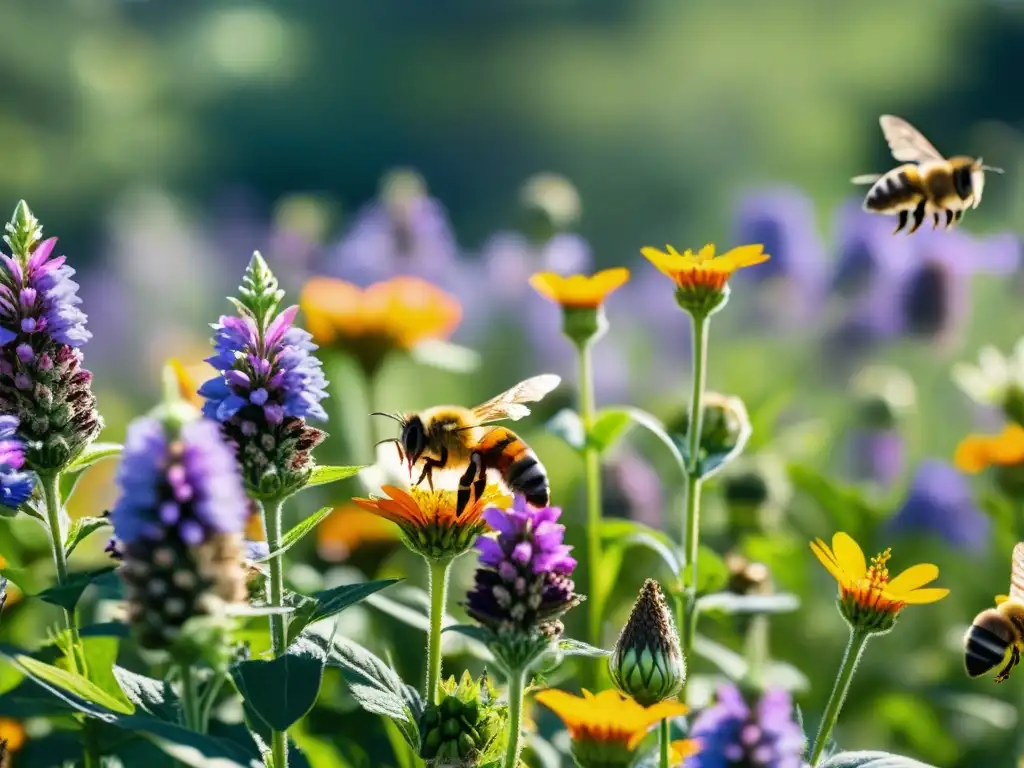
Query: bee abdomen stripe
983, 650
527, 473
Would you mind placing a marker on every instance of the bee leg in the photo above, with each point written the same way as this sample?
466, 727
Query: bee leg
949, 218
902, 222
429, 465
957, 216
1004, 673
475, 468
918, 218
935, 220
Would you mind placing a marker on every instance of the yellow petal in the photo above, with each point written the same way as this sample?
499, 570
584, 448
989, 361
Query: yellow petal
684, 748
547, 284
849, 556
1008, 448
824, 554
912, 578
923, 596
746, 256
972, 455
609, 280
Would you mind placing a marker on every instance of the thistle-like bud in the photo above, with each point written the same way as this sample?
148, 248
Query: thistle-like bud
647, 663
269, 382
724, 430
42, 381
466, 727
178, 524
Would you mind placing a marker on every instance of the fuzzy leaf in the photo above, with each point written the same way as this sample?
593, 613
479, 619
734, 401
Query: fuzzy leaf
54, 677
331, 602
325, 474
281, 691
293, 536
68, 594
480, 634
94, 454
731, 603
80, 529
152, 696
571, 647
567, 425
872, 760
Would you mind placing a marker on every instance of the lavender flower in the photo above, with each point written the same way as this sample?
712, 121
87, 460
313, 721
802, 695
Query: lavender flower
940, 502
15, 486
731, 733
269, 384
41, 330
179, 524
525, 581
783, 220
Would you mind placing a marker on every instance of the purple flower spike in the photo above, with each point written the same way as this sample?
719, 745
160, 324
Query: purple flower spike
733, 734
15, 486
524, 581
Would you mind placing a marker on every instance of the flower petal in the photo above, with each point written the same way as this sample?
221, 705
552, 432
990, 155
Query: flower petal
923, 596
912, 578
972, 455
746, 256
547, 284
824, 554
849, 555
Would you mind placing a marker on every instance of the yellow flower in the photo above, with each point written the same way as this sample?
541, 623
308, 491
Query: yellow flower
579, 291
396, 314
978, 452
347, 528
607, 728
682, 749
429, 521
12, 735
189, 378
704, 269
868, 599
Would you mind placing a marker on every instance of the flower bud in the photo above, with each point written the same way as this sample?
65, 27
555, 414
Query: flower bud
466, 727
724, 431
647, 663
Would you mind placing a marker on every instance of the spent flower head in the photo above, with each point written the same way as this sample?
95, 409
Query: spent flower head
702, 278
268, 384
467, 725
179, 523
607, 729
868, 600
429, 521
647, 662
733, 733
41, 332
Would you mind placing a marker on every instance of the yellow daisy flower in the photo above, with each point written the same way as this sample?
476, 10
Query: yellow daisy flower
868, 599
701, 278
429, 521
607, 728
681, 749
978, 452
579, 291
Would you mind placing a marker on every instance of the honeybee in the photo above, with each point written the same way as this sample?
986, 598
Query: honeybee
926, 184
454, 436
997, 634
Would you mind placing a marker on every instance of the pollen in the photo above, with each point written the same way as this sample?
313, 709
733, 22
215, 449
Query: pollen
878, 573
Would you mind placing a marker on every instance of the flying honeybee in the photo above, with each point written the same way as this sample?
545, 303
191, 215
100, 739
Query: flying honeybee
927, 184
454, 436
997, 634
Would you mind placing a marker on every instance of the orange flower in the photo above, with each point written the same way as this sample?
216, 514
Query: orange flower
607, 728
704, 270
579, 291
395, 314
188, 378
682, 749
978, 452
428, 518
12, 736
348, 527
867, 598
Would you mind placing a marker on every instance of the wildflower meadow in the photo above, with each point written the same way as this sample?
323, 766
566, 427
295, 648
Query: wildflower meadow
508, 388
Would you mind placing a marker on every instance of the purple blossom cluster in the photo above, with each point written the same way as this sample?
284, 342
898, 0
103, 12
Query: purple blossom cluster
733, 734
15, 486
940, 502
524, 583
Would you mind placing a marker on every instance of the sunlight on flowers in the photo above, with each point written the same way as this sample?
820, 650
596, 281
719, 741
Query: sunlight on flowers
579, 291
868, 599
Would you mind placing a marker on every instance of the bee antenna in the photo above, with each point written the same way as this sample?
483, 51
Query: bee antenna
388, 415
387, 440
993, 169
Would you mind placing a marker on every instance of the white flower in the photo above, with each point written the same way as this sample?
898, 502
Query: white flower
995, 376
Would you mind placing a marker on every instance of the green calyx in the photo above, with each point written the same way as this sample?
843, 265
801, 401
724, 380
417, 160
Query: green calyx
467, 725
441, 541
702, 301
602, 754
864, 619
647, 662
584, 325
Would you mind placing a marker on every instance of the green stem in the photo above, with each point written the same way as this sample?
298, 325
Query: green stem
516, 684
757, 647
190, 704
664, 738
438, 570
207, 702
854, 650
592, 474
50, 483
694, 483
275, 597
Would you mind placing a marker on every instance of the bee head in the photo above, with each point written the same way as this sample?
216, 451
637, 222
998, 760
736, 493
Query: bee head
414, 439
988, 642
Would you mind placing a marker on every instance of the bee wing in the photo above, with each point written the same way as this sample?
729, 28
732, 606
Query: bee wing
867, 178
1017, 573
509, 404
906, 142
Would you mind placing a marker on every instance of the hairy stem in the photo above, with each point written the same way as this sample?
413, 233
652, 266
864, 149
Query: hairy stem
664, 738
851, 657
516, 684
50, 483
592, 475
438, 570
275, 597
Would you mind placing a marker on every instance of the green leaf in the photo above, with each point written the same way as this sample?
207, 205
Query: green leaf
80, 529
281, 691
68, 594
323, 475
473, 632
626, 533
609, 425
193, 749
68, 682
94, 454
107, 629
446, 356
872, 760
156, 697
331, 602
732, 603
567, 425
571, 647
712, 572
100, 655
655, 427
293, 536
303, 609
377, 688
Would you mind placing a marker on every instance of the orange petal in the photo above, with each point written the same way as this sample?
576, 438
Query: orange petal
972, 455
912, 578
